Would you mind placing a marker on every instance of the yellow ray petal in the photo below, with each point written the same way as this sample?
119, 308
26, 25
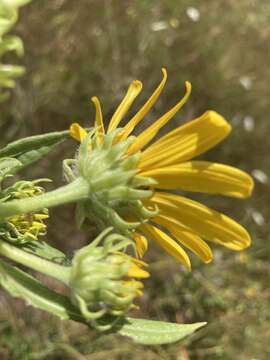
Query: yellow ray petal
192, 241
167, 243
144, 110
133, 91
147, 135
141, 244
77, 132
99, 126
205, 222
186, 142
203, 176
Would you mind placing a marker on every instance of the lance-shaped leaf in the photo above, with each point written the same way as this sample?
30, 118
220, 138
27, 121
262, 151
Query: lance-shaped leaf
32, 148
152, 332
35, 142
24, 286
46, 251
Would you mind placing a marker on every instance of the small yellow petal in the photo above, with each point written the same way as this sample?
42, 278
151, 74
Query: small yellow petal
192, 241
136, 272
40, 216
77, 132
167, 243
134, 283
203, 176
186, 142
147, 135
141, 244
99, 126
133, 91
144, 110
205, 222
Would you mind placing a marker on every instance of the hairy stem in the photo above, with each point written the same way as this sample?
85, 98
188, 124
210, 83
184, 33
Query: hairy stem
76, 190
34, 262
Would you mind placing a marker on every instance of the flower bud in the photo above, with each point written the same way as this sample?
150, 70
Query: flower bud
104, 280
24, 228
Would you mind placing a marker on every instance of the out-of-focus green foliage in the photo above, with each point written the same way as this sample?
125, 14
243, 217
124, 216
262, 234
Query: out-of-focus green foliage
8, 18
80, 48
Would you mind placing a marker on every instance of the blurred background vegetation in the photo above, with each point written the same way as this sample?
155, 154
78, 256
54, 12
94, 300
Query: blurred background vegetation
79, 48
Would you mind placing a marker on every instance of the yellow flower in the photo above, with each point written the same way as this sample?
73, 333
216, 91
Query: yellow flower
169, 161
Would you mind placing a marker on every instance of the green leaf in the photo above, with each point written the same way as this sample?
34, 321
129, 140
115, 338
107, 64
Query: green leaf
31, 149
46, 251
151, 332
22, 285
35, 142
7, 165
33, 156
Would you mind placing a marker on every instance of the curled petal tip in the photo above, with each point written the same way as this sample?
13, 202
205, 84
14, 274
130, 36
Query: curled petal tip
247, 241
188, 266
164, 72
188, 86
209, 260
94, 99
219, 120
251, 186
137, 84
77, 132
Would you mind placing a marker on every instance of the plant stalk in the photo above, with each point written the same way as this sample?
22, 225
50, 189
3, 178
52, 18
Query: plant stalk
75, 191
59, 272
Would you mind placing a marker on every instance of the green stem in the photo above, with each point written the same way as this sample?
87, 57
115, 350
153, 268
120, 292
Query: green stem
76, 190
34, 262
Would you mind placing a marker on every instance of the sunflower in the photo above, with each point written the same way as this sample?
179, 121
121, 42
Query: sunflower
169, 161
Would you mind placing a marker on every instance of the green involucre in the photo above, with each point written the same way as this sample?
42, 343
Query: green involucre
115, 188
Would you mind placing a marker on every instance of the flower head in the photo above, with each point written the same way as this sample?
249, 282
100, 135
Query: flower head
169, 162
28, 227
105, 281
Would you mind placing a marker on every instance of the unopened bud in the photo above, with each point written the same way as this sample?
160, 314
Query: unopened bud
104, 281
28, 227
